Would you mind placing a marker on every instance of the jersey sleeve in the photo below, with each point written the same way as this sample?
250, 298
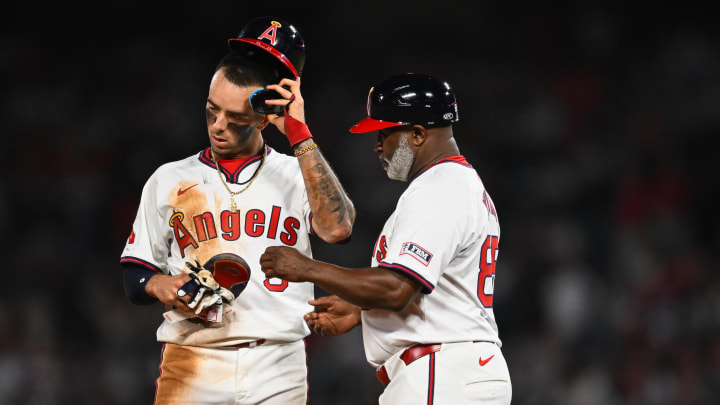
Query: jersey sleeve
148, 244
428, 229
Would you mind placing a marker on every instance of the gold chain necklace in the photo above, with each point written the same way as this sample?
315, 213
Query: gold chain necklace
233, 205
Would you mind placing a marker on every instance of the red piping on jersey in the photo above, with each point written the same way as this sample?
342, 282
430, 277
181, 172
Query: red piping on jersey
459, 159
428, 287
431, 380
135, 260
231, 168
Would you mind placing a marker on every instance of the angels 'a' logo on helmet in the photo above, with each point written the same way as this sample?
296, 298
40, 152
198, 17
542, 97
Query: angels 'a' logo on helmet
271, 32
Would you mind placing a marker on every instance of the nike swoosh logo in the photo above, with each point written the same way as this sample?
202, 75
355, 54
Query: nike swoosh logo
484, 362
181, 191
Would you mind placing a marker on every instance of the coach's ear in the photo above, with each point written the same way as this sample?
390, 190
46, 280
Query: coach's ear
419, 135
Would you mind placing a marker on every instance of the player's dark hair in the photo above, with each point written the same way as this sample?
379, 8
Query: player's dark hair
246, 71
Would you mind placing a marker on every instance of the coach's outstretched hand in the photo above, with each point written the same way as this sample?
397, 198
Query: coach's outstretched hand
332, 316
285, 263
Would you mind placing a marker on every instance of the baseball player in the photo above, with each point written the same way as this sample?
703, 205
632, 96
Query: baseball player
203, 222
426, 302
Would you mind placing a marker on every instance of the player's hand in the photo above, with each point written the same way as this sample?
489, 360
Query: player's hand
296, 108
332, 316
284, 263
165, 287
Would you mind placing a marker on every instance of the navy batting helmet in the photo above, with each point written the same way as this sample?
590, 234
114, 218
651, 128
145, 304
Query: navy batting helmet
409, 99
276, 37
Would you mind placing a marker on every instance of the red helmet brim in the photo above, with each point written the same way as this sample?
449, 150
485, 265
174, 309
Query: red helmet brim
370, 125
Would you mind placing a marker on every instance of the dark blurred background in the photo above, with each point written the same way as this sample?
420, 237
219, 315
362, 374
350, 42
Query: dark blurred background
593, 126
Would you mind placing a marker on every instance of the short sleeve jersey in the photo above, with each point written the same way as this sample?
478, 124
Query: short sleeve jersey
443, 233
184, 216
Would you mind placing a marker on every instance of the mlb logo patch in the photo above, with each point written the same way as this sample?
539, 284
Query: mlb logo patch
416, 252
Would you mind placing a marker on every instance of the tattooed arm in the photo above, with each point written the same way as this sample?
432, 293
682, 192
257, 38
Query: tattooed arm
333, 212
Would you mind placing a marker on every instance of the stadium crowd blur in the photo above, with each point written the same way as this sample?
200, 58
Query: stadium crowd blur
594, 129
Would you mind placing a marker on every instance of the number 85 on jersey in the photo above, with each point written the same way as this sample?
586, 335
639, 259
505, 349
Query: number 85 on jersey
486, 278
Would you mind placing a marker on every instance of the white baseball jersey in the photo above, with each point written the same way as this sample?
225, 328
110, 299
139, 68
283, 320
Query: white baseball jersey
185, 215
444, 233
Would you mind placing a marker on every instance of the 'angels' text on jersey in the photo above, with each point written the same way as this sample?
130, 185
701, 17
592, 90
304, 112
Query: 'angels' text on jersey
230, 224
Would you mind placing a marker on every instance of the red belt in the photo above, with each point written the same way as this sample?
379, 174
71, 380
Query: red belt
248, 344
408, 357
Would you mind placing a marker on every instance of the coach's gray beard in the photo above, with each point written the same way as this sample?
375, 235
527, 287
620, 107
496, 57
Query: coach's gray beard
401, 161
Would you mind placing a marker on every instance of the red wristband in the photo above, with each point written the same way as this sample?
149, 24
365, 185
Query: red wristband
295, 130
